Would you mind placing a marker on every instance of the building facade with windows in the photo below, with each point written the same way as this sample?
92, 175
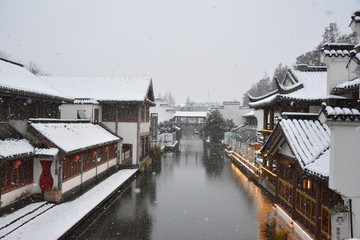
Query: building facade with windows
120, 104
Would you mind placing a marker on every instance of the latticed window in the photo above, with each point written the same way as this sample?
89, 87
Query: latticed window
12, 177
285, 190
71, 168
306, 206
325, 221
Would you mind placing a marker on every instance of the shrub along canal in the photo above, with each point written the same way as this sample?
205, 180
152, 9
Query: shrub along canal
196, 193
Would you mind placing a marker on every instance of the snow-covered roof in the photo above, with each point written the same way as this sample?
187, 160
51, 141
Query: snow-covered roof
104, 88
308, 139
15, 147
309, 86
321, 166
190, 114
15, 78
347, 86
343, 113
46, 151
85, 101
72, 137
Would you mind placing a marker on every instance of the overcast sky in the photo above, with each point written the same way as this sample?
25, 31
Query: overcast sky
198, 48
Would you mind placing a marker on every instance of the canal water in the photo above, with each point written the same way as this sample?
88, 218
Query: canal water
196, 193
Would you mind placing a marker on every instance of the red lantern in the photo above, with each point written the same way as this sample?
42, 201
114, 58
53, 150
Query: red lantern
76, 158
115, 146
16, 164
93, 154
106, 149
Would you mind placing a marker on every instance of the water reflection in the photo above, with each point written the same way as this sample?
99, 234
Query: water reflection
213, 159
196, 193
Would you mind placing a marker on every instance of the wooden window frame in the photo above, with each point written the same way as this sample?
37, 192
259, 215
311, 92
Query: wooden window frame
303, 209
287, 187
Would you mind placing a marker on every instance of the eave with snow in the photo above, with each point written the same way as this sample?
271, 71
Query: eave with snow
302, 90
24, 95
301, 87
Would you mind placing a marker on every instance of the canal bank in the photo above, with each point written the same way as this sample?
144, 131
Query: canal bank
195, 193
50, 221
284, 223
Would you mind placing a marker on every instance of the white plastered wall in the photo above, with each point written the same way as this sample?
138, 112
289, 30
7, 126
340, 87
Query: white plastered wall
344, 175
128, 131
13, 196
232, 111
337, 72
259, 114
69, 111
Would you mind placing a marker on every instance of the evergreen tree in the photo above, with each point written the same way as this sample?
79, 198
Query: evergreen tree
280, 72
166, 127
229, 124
214, 127
331, 34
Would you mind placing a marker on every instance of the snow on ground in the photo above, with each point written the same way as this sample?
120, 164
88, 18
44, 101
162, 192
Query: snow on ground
4, 220
23, 219
55, 222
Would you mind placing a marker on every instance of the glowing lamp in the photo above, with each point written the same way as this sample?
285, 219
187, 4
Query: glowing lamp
106, 149
115, 146
16, 164
93, 154
76, 158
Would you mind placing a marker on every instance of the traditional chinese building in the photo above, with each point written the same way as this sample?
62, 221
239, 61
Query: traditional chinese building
71, 153
22, 96
298, 154
120, 104
302, 90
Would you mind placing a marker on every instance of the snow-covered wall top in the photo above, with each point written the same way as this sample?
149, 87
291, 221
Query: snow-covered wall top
308, 140
13, 147
74, 136
16, 78
46, 151
102, 88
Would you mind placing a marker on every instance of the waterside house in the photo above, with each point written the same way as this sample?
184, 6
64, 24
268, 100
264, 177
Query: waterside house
297, 153
310, 125
22, 96
121, 104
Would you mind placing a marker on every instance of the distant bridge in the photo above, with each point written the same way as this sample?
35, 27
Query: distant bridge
190, 118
